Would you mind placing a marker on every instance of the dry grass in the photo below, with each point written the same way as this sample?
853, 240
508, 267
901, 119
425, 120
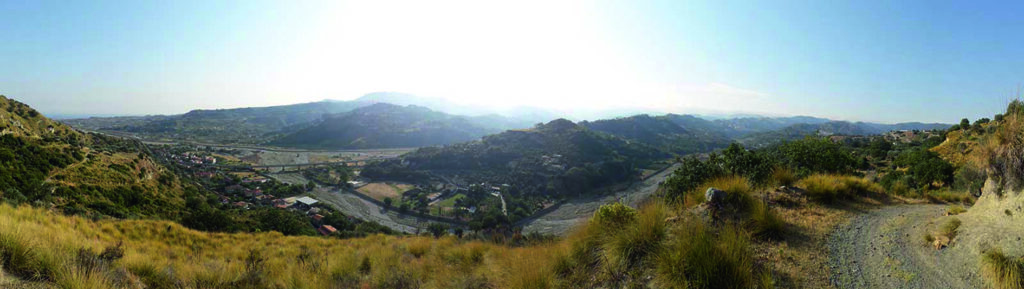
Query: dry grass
829, 188
949, 196
955, 210
72, 252
782, 176
738, 191
951, 228
700, 258
38, 245
1002, 272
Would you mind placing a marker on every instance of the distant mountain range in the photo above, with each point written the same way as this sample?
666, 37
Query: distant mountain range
388, 119
800, 130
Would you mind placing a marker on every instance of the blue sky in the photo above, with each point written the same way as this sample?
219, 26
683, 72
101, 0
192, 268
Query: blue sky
877, 61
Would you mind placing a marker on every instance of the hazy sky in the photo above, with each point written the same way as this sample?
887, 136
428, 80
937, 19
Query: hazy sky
883, 61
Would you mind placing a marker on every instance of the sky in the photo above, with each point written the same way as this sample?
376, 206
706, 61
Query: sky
885, 61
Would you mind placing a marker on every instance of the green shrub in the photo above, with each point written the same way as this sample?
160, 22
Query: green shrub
690, 174
814, 155
615, 214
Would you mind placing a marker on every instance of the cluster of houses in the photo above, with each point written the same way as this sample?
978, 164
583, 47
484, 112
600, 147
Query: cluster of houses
249, 188
189, 159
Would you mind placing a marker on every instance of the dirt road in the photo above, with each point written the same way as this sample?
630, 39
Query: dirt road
885, 248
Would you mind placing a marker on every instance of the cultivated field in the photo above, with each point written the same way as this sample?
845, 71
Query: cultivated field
379, 191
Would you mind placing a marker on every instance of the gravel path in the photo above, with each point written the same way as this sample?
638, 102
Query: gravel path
885, 248
570, 214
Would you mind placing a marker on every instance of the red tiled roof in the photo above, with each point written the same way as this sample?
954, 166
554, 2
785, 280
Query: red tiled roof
327, 230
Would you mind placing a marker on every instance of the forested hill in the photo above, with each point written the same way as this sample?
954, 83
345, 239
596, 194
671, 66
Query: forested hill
46, 163
671, 133
385, 125
559, 156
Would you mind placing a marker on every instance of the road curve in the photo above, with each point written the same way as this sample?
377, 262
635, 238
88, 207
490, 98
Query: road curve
885, 248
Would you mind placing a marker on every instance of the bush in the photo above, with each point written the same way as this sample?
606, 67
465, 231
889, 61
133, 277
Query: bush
753, 165
926, 168
615, 215
1003, 272
814, 155
690, 174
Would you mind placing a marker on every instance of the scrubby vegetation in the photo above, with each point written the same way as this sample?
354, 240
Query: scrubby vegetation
623, 246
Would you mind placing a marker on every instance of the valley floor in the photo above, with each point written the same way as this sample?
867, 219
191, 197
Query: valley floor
574, 212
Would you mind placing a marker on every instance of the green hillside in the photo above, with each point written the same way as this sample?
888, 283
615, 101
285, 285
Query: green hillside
559, 157
663, 132
385, 125
47, 163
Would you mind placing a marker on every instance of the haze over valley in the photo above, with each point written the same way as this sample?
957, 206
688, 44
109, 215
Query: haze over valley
520, 145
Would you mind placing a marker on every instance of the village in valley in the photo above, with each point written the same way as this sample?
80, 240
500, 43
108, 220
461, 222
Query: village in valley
244, 183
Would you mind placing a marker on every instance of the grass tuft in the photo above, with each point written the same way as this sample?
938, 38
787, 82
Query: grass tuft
765, 223
783, 176
629, 247
1003, 272
955, 210
698, 258
951, 228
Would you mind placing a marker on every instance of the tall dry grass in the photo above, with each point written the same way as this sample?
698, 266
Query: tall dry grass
42, 246
828, 188
1003, 272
